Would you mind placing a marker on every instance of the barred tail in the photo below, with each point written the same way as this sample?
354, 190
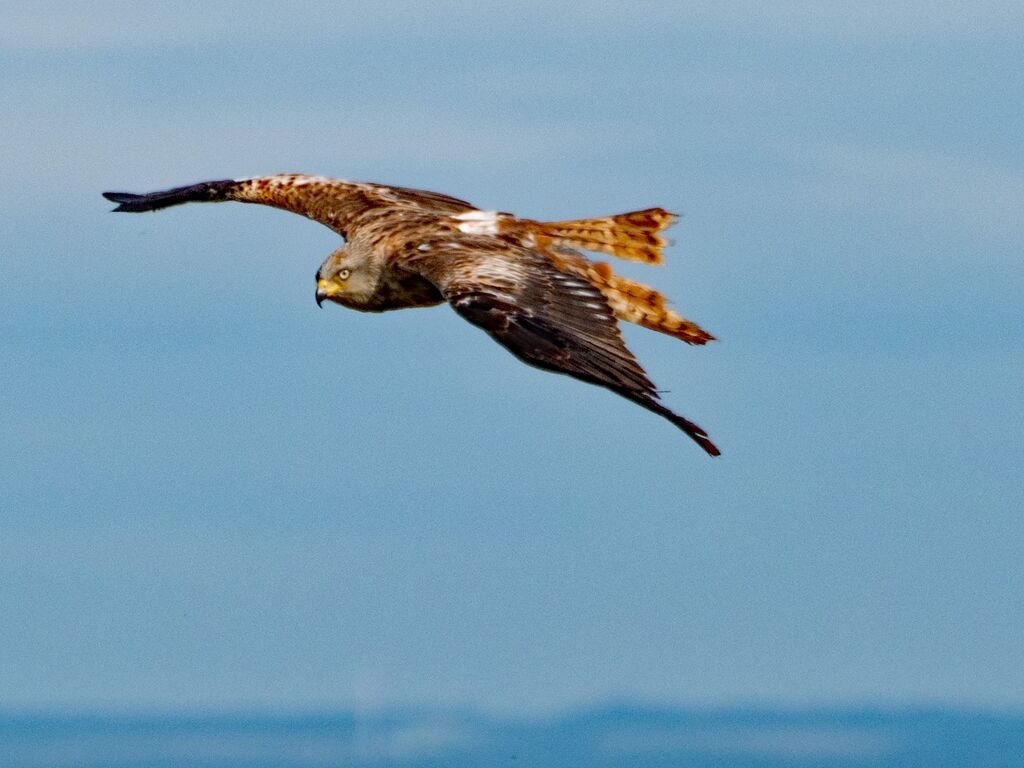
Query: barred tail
632, 236
204, 192
641, 304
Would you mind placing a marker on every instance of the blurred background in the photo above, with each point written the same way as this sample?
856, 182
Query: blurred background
219, 502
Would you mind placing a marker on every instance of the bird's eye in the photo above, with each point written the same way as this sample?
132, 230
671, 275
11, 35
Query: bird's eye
344, 273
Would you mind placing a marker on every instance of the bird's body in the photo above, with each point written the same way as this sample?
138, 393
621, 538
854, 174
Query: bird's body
523, 281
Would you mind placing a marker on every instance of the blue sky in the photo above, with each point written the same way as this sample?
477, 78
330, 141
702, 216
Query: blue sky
215, 495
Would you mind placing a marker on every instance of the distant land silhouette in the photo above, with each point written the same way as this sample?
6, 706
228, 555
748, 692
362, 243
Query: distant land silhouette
610, 737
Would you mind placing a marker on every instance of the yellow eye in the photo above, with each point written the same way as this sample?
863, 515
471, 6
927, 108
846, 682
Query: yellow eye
343, 274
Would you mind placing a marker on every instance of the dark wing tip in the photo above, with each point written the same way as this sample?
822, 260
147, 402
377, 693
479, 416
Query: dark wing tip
707, 445
694, 432
698, 435
204, 192
128, 201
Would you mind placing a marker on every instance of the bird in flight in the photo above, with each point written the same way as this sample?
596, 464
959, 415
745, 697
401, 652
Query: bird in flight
524, 282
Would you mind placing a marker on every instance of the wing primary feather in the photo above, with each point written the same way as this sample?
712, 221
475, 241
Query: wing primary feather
542, 345
698, 435
204, 192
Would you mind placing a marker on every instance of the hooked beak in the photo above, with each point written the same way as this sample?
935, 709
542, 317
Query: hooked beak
322, 292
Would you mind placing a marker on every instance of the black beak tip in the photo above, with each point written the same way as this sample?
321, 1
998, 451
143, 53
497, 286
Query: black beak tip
320, 299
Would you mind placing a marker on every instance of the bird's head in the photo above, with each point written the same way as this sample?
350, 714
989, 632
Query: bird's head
346, 279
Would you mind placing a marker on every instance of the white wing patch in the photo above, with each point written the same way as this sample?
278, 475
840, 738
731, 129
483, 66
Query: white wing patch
478, 222
301, 180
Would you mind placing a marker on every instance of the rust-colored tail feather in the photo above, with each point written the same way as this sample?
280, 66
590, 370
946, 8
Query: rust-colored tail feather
632, 235
641, 304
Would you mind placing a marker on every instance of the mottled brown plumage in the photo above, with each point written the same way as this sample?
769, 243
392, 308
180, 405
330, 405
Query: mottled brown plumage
520, 280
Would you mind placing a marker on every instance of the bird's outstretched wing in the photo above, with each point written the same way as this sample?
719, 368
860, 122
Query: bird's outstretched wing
335, 203
547, 318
